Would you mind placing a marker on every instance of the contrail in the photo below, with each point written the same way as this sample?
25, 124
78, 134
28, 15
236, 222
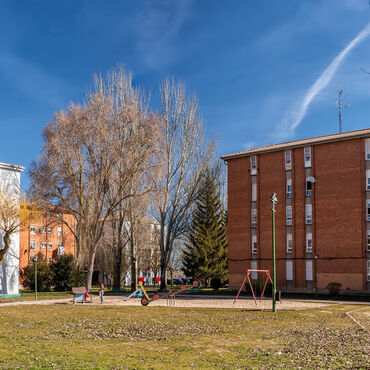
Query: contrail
327, 76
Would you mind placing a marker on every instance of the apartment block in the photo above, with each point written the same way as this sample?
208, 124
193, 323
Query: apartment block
322, 215
47, 233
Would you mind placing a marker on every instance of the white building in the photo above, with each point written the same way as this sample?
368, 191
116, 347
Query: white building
9, 270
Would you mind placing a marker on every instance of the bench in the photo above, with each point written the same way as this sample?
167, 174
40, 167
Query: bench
10, 297
79, 295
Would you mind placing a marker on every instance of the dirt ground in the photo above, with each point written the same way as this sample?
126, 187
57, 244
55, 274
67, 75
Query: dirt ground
266, 304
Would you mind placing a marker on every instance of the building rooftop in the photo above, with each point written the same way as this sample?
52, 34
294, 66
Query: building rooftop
300, 143
14, 167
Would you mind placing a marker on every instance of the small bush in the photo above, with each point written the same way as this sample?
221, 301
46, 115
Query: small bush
215, 283
334, 288
44, 276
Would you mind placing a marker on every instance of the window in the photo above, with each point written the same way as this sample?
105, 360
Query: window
289, 215
288, 159
368, 241
33, 245
43, 245
289, 243
254, 191
43, 229
368, 270
50, 245
254, 244
368, 210
49, 230
308, 188
254, 217
33, 229
288, 188
308, 214
253, 165
309, 242
307, 156
49, 260
367, 149
60, 231
289, 270
33, 259
309, 270
367, 179
60, 244
254, 267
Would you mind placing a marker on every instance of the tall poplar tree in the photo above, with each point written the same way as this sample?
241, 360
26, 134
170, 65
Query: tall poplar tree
205, 254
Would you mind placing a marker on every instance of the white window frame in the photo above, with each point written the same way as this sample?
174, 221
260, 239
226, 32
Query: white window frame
367, 210
308, 191
368, 180
32, 245
50, 245
307, 156
254, 267
43, 229
254, 191
254, 217
368, 241
309, 242
60, 231
44, 245
33, 259
367, 149
289, 270
368, 270
308, 217
288, 215
289, 189
289, 243
254, 244
50, 229
309, 273
33, 229
60, 244
253, 165
288, 159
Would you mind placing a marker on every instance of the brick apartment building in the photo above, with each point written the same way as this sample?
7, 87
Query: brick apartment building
47, 234
323, 211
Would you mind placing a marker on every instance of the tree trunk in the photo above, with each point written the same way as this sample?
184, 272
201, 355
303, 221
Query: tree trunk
163, 286
6, 239
133, 273
117, 270
90, 270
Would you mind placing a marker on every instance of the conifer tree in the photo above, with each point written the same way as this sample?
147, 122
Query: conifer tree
205, 253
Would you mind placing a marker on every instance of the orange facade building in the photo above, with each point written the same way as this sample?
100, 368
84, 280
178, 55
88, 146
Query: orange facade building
322, 215
46, 233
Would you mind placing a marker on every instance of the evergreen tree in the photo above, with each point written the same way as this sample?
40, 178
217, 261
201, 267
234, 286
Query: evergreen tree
62, 271
205, 253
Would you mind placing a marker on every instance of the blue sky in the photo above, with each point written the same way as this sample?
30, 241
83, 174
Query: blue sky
264, 71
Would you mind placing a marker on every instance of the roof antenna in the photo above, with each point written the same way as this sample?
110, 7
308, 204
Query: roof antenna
341, 107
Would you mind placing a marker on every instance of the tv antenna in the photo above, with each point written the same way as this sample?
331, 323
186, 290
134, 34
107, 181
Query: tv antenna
341, 107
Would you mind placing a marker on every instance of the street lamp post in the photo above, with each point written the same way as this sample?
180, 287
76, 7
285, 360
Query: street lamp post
35, 279
316, 289
273, 211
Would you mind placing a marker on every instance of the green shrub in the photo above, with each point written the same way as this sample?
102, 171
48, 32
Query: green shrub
62, 271
334, 288
44, 277
215, 283
258, 287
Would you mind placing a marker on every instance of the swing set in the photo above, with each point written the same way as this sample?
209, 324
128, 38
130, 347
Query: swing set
247, 277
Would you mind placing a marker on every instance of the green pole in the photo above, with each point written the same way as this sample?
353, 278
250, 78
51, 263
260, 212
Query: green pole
36, 280
273, 201
316, 289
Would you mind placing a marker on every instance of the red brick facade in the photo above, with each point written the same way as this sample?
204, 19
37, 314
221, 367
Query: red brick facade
339, 225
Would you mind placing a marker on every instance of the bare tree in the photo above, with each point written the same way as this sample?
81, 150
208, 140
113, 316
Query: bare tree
184, 155
91, 154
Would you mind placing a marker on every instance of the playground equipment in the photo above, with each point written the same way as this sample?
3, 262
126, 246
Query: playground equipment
170, 296
268, 278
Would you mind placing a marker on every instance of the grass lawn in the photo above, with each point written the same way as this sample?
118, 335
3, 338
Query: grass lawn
98, 336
